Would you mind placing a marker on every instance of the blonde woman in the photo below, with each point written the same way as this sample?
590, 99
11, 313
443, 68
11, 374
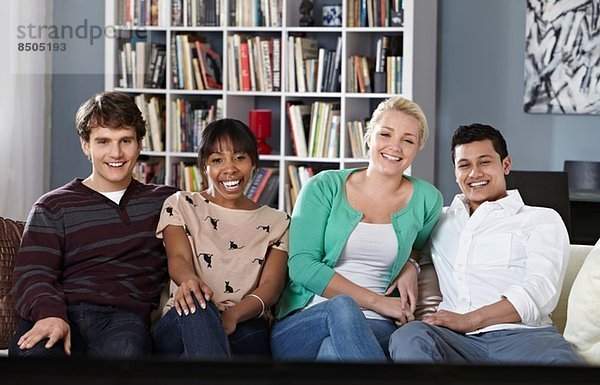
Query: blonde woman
352, 280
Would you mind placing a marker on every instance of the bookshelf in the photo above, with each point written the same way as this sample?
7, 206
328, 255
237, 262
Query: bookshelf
417, 37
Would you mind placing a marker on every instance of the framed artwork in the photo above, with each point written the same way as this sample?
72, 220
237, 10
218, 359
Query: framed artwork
562, 57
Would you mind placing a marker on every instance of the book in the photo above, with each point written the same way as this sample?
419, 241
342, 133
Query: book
270, 192
298, 115
291, 70
305, 48
213, 67
266, 48
259, 182
276, 63
244, 67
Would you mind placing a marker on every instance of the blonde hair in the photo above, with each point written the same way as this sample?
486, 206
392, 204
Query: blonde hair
398, 103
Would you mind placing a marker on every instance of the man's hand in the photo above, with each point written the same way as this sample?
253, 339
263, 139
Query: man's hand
461, 323
52, 328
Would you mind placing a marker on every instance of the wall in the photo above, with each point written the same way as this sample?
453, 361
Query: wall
481, 45
77, 76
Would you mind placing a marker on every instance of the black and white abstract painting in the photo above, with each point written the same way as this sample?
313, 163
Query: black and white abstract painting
562, 57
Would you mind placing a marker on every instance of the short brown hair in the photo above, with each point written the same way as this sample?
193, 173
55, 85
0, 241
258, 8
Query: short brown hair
113, 110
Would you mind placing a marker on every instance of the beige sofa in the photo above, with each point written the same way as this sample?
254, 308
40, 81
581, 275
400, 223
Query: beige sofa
579, 318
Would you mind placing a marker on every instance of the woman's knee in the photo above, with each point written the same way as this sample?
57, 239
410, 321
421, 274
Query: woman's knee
343, 305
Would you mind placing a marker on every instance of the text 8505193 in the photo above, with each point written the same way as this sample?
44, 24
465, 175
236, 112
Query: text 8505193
41, 47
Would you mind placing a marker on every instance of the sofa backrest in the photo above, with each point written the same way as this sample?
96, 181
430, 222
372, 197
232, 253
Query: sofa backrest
10, 239
577, 256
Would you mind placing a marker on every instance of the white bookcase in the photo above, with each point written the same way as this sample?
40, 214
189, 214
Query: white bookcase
418, 79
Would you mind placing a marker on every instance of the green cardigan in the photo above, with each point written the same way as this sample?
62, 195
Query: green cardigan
322, 222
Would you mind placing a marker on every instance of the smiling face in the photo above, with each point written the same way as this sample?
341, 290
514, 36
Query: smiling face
393, 143
480, 173
228, 173
113, 153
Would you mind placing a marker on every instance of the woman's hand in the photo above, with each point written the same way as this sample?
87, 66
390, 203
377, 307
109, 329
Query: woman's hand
229, 319
408, 287
393, 308
190, 288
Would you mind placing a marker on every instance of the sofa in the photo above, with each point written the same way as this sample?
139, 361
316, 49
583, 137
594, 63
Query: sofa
575, 315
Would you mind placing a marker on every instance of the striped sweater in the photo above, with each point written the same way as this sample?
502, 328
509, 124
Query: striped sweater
79, 246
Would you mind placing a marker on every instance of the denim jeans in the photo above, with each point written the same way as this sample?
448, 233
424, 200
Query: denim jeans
418, 342
96, 331
334, 330
201, 335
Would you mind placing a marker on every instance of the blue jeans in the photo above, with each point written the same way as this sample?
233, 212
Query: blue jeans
201, 335
334, 330
418, 342
96, 331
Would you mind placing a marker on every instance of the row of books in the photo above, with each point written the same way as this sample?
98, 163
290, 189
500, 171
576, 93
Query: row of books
298, 176
356, 137
142, 65
197, 13
187, 176
387, 46
255, 13
313, 69
264, 187
375, 13
142, 13
195, 65
150, 170
255, 64
188, 119
359, 74
320, 123
153, 111
394, 74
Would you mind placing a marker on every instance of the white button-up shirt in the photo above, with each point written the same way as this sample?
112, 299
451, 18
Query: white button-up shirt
505, 249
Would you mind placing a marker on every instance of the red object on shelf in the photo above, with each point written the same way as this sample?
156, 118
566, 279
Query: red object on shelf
260, 124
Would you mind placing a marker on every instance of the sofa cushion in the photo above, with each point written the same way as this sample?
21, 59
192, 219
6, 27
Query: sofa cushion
577, 255
10, 239
429, 292
583, 310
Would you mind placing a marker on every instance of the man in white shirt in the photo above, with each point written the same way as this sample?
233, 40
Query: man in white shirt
500, 265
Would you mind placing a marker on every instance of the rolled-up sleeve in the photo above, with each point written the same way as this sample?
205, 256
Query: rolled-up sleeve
547, 257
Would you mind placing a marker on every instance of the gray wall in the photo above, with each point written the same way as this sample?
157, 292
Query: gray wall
481, 45
77, 76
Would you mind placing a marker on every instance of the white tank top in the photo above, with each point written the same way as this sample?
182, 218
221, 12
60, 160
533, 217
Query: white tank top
367, 260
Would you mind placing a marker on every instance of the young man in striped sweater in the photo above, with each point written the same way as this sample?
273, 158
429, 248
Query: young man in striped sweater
90, 269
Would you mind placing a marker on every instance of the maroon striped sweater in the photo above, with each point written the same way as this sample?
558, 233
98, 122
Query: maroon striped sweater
80, 246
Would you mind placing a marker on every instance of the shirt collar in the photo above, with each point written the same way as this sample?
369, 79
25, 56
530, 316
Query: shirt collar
512, 203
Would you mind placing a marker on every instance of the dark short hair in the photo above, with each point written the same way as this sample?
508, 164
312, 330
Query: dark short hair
112, 110
223, 131
475, 132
